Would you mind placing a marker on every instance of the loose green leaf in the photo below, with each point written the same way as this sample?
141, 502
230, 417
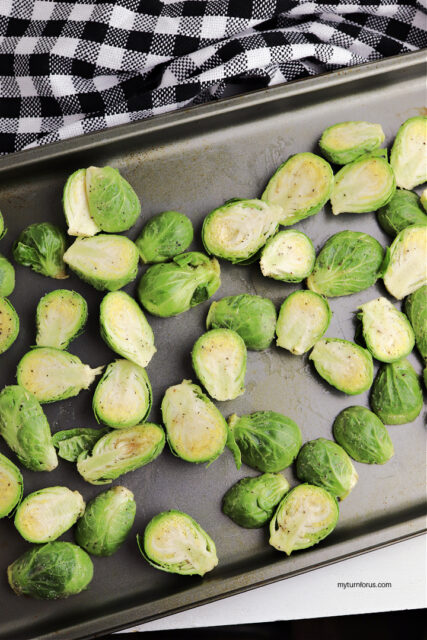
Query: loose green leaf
72, 442
41, 246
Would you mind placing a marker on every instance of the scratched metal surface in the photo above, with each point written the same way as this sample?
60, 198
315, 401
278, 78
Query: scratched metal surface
192, 162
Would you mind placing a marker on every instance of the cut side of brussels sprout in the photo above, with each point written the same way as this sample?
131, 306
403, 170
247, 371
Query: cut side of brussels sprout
11, 486
41, 246
176, 543
416, 310
288, 256
363, 436
402, 211
9, 324
306, 515
219, 361
345, 365
76, 207
408, 155
251, 502
72, 442
407, 258
196, 430
60, 317
346, 141
7, 277
125, 328
387, 332
300, 187
397, 397
113, 204
165, 236
423, 200
303, 319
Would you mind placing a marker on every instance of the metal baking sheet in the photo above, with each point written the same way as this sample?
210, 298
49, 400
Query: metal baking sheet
193, 161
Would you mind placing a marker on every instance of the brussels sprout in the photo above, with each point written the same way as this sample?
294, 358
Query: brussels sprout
165, 236
196, 430
106, 522
306, 515
397, 397
11, 486
9, 324
60, 317
349, 262
405, 270
346, 141
166, 290
113, 204
123, 397
363, 436
402, 211
416, 310
423, 199
303, 319
41, 246
408, 154
264, 440
7, 277
345, 365
121, 451
26, 430
176, 543
288, 256
125, 328
2, 227
387, 332
250, 502
107, 262
51, 571
219, 361
76, 207
51, 374
300, 186
72, 442
46, 514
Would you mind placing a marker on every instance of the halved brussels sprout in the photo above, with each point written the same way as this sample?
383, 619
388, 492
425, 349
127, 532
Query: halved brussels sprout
176, 543
397, 397
345, 365
349, 262
250, 502
76, 207
408, 155
106, 522
387, 332
265, 440
3, 229
165, 236
125, 328
416, 310
46, 514
72, 442
196, 430
113, 204
346, 141
51, 571
219, 361
41, 246
121, 451
300, 187
406, 271
107, 262
402, 211
166, 290
303, 319
288, 256
60, 317
11, 486
9, 324
363, 436
26, 430
423, 199
52, 374
306, 515
7, 277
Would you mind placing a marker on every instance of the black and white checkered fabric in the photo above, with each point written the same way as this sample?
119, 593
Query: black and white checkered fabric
68, 68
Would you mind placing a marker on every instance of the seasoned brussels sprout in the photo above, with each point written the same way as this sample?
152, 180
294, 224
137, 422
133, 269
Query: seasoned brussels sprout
11, 486
121, 451
402, 211
41, 246
166, 290
196, 430
349, 262
106, 522
300, 186
408, 155
397, 397
72, 442
51, 571
423, 199
303, 319
76, 207
176, 543
416, 310
219, 361
387, 332
288, 256
113, 204
125, 328
346, 141
165, 236
345, 365
251, 502
306, 515
60, 317
264, 440
26, 430
7, 277
107, 262
2, 226
52, 374
9, 324
363, 436
252, 317
46, 514
405, 270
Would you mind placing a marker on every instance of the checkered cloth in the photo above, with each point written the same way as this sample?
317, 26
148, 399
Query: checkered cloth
68, 68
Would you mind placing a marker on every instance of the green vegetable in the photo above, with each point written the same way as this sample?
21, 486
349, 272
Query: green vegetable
7, 277
406, 261
387, 332
346, 141
363, 436
41, 246
11, 486
76, 207
165, 236
288, 256
3, 229
345, 365
251, 502
9, 324
303, 319
61, 316
416, 310
402, 211
408, 155
396, 396
72, 442
113, 204
423, 199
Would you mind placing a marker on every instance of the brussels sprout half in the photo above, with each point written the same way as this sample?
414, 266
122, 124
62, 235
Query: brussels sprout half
288, 256
387, 332
303, 319
396, 396
9, 324
176, 543
41, 246
60, 317
416, 310
406, 262
113, 204
408, 154
72, 442
7, 277
345, 365
423, 199
11, 486
165, 236
363, 436
250, 502
402, 211
76, 207
344, 142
